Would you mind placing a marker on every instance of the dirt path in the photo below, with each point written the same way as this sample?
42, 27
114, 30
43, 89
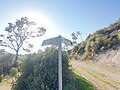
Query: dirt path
102, 78
5, 87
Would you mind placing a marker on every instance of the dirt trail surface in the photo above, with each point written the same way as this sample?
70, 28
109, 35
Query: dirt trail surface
5, 87
102, 77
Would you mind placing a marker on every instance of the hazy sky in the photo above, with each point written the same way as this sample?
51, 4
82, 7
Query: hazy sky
64, 16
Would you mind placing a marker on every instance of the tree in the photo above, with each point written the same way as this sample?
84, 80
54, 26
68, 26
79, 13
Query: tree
18, 34
75, 36
78, 33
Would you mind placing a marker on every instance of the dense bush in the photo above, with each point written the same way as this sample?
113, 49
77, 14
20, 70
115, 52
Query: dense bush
13, 71
5, 62
0, 78
40, 72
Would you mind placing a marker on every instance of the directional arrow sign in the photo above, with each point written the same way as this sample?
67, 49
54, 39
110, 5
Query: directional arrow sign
55, 41
50, 41
66, 41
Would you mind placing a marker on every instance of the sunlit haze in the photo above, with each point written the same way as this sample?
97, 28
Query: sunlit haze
59, 44
41, 21
61, 17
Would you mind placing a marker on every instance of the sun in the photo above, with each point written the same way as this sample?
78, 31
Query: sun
41, 21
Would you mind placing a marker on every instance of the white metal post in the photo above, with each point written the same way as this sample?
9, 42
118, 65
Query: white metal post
59, 64
58, 40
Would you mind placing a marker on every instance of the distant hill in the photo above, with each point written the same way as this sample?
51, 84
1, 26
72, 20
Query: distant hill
101, 41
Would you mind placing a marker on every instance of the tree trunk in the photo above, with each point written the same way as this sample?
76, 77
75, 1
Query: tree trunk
16, 58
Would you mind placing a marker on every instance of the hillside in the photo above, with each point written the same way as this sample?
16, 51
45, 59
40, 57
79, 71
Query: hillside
97, 59
100, 42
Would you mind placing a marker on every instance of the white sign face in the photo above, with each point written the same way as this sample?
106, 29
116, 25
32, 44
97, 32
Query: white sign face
66, 41
55, 41
50, 41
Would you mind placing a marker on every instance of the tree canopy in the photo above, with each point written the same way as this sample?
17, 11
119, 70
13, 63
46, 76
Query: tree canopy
18, 33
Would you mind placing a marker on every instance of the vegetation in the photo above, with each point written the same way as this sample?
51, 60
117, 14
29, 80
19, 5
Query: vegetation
81, 83
40, 72
13, 71
75, 36
5, 62
17, 35
101, 40
6, 73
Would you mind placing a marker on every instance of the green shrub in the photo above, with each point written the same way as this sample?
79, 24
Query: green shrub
82, 84
13, 71
40, 72
0, 79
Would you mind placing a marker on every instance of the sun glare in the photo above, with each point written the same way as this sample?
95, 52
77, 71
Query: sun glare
41, 21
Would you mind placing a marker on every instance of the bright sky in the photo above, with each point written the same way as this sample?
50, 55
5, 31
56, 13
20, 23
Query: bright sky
61, 16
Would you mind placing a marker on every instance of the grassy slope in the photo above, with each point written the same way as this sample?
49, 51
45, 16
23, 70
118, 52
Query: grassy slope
82, 83
79, 83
